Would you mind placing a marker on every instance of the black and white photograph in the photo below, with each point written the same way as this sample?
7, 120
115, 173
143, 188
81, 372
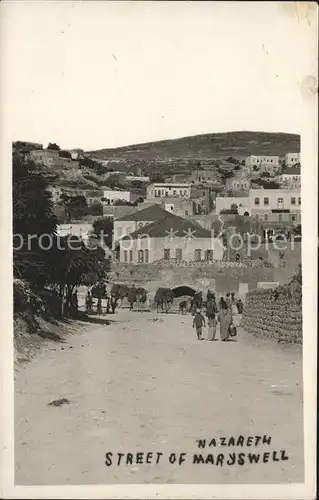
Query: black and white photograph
162, 230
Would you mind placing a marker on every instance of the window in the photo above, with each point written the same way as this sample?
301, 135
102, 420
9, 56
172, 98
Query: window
125, 255
299, 201
203, 193
186, 212
265, 217
167, 254
266, 201
280, 202
174, 192
181, 192
256, 201
279, 217
293, 217
293, 201
198, 254
209, 254
131, 255
146, 254
179, 254
140, 256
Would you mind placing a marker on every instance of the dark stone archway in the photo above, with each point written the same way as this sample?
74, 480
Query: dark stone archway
180, 291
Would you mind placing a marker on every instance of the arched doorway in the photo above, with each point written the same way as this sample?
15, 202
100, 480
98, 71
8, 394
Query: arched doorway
183, 290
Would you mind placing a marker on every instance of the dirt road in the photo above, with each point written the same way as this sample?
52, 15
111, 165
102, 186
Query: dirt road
139, 385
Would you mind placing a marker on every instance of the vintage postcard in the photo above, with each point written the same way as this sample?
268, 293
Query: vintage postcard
159, 249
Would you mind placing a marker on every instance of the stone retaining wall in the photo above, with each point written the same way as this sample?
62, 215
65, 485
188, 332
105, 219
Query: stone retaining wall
275, 314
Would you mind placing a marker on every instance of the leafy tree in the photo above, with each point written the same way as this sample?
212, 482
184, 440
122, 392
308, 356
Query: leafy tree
34, 223
65, 154
122, 203
53, 146
104, 226
225, 174
45, 260
75, 263
96, 209
75, 206
232, 210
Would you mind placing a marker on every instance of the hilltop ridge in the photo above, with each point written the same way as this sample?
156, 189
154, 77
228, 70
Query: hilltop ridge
206, 146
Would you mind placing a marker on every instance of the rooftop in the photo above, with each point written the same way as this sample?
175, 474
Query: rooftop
172, 224
295, 170
153, 213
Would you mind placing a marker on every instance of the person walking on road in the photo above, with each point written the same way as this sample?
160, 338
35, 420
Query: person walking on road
89, 303
225, 319
211, 323
211, 311
99, 306
198, 323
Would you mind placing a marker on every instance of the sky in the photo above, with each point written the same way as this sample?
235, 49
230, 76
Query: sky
95, 75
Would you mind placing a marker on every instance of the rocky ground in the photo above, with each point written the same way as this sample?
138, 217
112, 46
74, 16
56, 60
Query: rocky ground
143, 383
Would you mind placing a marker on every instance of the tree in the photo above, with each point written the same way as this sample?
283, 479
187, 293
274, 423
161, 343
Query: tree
41, 258
75, 206
232, 210
75, 263
96, 209
103, 228
225, 174
122, 203
53, 146
34, 223
65, 154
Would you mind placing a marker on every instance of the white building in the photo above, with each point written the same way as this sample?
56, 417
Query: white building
290, 177
82, 231
154, 242
110, 196
291, 159
277, 205
138, 178
169, 190
261, 164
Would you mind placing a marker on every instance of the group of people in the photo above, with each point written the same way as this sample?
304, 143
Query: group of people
222, 314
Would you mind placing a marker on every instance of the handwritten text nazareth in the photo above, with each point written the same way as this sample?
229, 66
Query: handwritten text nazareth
234, 441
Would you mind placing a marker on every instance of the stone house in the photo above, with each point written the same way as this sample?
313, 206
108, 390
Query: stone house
133, 221
171, 239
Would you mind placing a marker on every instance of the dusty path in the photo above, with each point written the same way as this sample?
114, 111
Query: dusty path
144, 386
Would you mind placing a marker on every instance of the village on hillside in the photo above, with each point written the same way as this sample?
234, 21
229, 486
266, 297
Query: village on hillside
118, 272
